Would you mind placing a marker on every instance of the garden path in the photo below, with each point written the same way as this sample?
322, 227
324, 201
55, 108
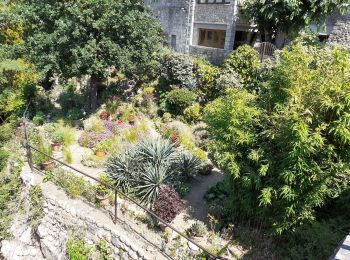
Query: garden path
196, 206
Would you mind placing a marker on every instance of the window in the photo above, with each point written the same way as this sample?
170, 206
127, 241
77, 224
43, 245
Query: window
212, 38
173, 42
214, 1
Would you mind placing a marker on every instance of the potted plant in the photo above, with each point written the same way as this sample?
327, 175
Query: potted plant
45, 162
102, 192
197, 231
102, 148
57, 141
132, 118
105, 115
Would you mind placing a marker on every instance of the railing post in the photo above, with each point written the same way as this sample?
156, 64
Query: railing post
29, 150
115, 206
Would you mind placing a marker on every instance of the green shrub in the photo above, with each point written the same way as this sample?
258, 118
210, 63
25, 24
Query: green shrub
178, 70
3, 159
78, 249
39, 118
75, 186
285, 149
245, 62
192, 113
36, 210
74, 114
179, 99
6, 132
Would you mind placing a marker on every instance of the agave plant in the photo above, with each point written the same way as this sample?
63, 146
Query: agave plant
188, 164
122, 169
146, 167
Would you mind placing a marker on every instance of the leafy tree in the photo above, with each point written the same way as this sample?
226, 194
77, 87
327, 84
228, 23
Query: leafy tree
288, 16
287, 149
86, 37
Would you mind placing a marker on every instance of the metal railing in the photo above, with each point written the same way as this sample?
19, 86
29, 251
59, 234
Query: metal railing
30, 148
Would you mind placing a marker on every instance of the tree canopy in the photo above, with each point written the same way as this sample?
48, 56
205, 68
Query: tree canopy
288, 16
86, 37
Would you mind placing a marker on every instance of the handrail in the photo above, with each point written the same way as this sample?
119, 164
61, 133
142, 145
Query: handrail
117, 191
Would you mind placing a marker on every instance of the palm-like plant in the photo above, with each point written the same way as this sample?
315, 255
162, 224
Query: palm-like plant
146, 167
188, 164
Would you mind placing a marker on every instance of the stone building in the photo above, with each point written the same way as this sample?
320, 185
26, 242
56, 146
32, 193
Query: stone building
213, 28
210, 28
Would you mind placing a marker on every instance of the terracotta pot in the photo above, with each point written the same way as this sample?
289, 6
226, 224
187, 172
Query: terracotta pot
56, 147
100, 154
103, 199
48, 166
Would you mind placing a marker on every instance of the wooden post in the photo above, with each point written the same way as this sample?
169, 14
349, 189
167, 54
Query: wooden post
115, 206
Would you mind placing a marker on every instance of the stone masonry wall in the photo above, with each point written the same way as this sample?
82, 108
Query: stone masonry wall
341, 29
213, 13
174, 17
62, 215
216, 56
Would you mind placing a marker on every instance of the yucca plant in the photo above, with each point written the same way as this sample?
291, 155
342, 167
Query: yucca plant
188, 164
145, 167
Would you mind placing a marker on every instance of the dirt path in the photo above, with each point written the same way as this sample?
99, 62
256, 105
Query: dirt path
196, 205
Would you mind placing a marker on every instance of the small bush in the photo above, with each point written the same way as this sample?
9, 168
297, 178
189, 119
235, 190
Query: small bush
168, 204
36, 211
192, 114
179, 99
198, 229
39, 118
178, 69
78, 249
3, 159
244, 61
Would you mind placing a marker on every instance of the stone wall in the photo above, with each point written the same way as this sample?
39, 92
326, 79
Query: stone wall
212, 13
63, 215
341, 29
216, 56
174, 16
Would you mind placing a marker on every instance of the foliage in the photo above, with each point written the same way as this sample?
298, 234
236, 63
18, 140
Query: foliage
192, 113
188, 164
177, 69
93, 161
245, 62
206, 75
168, 204
289, 16
44, 147
179, 99
286, 151
197, 229
79, 43
39, 118
104, 251
74, 185
101, 189
10, 189
36, 209
4, 155
146, 167
67, 154
78, 249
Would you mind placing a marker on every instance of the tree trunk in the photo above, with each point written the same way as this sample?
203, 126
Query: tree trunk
94, 81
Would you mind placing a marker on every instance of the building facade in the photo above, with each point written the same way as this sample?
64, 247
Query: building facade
210, 28
213, 28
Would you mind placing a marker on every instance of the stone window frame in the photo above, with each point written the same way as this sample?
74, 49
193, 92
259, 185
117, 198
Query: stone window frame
204, 42
214, 1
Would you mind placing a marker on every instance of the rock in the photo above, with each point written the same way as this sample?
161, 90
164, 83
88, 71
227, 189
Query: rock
192, 246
